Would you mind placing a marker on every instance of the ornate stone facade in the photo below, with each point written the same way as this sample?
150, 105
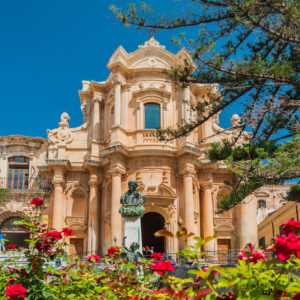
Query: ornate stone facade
91, 165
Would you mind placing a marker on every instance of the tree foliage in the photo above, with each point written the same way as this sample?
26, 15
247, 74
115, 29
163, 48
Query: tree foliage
250, 48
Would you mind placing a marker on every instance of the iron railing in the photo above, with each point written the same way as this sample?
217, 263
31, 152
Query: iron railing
23, 184
210, 258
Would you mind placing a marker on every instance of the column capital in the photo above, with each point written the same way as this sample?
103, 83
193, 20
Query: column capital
98, 97
58, 181
117, 170
206, 185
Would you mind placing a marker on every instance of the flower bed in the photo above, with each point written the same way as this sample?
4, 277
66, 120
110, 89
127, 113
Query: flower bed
125, 274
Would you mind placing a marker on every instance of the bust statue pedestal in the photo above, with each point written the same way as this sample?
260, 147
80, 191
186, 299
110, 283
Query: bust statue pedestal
132, 232
132, 210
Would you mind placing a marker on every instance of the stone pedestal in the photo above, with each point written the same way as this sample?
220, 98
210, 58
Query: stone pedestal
132, 232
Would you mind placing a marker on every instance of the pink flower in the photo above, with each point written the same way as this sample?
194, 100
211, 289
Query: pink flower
291, 227
37, 202
67, 231
11, 246
55, 235
156, 256
161, 267
15, 291
94, 258
249, 255
285, 246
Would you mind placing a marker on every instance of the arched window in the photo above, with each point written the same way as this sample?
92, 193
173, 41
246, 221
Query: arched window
18, 172
13, 233
152, 116
261, 204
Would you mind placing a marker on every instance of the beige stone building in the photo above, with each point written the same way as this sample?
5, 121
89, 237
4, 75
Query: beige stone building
89, 166
271, 226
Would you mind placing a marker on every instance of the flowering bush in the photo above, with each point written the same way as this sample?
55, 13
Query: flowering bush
124, 274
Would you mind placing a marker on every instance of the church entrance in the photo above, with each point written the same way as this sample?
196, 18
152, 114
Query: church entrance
14, 234
152, 222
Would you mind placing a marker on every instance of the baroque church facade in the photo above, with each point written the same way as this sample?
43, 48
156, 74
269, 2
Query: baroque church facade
82, 172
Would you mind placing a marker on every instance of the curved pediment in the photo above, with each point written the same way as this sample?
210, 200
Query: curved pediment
151, 55
150, 62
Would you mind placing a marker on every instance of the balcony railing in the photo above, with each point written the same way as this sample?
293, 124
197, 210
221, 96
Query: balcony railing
31, 184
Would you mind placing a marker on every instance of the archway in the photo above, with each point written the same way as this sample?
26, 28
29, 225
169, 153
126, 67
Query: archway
13, 233
152, 222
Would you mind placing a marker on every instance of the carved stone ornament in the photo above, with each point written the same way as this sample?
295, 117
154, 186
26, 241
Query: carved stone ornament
61, 135
152, 43
86, 110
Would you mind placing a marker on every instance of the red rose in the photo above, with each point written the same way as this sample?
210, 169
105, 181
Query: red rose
15, 291
249, 255
156, 256
11, 246
55, 235
161, 267
37, 201
67, 231
286, 246
291, 227
147, 248
93, 258
112, 251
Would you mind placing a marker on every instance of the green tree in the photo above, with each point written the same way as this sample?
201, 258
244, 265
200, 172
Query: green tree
250, 48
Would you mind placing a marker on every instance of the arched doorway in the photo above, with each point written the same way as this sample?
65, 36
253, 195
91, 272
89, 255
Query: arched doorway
14, 234
152, 222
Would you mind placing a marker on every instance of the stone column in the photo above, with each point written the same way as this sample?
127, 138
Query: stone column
116, 219
96, 119
93, 224
189, 210
207, 215
58, 204
247, 223
187, 97
117, 116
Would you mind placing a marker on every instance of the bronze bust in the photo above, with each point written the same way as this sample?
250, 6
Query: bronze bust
132, 201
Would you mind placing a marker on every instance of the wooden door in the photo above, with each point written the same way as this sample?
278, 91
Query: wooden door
76, 247
223, 250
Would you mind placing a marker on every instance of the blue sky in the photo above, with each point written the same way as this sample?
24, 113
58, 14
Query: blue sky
48, 48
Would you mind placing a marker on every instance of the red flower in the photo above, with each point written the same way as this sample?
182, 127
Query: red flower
15, 291
37, 201
42, 246
156, 256
161, 267
147, 248
67, 231
93, 258
112, 251
297, 296
133, 298
291, 227
55, 235
249, 255
11, 246
286, 246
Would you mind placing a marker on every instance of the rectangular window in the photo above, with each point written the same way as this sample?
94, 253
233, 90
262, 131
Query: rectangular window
152, 116
280, 230
262, 243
